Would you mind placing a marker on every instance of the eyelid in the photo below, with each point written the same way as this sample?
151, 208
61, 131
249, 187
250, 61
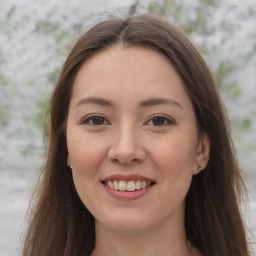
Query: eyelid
85, 120
170, 120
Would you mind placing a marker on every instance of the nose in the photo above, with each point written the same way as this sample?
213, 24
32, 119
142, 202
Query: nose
126, 147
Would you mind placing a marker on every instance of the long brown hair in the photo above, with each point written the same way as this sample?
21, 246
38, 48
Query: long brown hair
61, 224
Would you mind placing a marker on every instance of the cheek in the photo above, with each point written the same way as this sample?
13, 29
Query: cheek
86, 155
175, 160
85, 151
176, 152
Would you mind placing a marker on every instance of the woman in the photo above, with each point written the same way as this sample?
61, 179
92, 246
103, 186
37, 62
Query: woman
140, 159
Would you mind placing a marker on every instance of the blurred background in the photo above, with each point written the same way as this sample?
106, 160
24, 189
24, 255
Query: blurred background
35, 38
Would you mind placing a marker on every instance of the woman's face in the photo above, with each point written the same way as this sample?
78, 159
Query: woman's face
132, 140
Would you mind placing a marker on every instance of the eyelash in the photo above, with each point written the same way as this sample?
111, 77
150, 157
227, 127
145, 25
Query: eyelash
93, 118
87, 120
167, 121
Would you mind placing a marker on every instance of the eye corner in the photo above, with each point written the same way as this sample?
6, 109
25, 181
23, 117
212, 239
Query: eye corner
94, 120
160, 121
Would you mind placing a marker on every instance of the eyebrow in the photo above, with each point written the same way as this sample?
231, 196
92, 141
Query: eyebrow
144, 103
94, 100
159, 101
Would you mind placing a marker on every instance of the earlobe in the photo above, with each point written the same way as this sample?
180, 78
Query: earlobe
203, 154
69, 162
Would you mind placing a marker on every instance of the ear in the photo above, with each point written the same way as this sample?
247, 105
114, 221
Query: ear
202, 154
69, 162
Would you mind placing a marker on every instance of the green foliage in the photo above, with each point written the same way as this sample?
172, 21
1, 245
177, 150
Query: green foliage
62, 37
222, 72
229, 86
41, 117
46, 27
64, 40
199, 25
180, 14
3, 116
6, 89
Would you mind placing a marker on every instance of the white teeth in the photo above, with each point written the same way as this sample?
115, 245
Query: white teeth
122, 185
110, 184
138, 184
130, 185
127, 186
115, 185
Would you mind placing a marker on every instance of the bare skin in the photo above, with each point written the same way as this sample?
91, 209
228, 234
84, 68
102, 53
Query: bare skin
130, 115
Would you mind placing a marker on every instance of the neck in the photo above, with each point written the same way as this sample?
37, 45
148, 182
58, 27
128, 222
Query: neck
162, 241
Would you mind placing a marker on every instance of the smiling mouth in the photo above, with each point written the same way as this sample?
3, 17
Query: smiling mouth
128, 186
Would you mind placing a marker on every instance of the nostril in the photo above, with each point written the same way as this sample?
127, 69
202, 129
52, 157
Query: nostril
126, 151
125, 161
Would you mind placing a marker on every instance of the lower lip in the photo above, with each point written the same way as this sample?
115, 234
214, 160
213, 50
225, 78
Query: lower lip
127, 196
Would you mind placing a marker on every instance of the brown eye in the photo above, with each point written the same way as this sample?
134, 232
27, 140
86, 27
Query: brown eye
95, 121
158, 121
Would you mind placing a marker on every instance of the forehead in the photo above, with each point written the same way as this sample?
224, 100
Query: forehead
118, 63
120, 59
124, 72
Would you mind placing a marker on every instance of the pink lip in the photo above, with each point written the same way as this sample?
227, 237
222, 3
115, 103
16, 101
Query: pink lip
126, 195
126, 178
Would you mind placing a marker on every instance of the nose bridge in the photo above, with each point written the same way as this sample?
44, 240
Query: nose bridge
126, 134
126, 147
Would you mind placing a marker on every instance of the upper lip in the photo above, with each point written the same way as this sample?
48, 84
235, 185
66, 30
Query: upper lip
127, 178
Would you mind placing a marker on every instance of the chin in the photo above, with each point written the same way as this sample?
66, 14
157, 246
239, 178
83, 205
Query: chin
126, 223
